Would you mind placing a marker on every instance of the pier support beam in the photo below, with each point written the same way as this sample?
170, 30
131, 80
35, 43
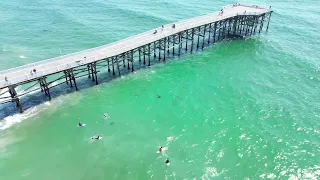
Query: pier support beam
144, 55
269, 21
179, 50
88, 71
95, 71
15, 98
219, 31
74, 79
261, 25
164, 48
112, 59
139, 54
108, 60
131, 52
149, 54
192, 39
44, 87
118, 65
214, 32
204, 35
159, 49
173, 43
198, 37
210, 28
187, 37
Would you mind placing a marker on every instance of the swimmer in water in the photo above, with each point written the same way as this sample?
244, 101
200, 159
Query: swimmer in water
97, 138
167, 162
160, 149
105, 116
80, 124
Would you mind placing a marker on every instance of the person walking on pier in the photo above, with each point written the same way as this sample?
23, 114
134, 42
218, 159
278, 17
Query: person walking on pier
173, 26
155, 32
162, 27
6, 79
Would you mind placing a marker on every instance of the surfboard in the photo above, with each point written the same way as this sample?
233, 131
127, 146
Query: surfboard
94, 138
163, 150
82, 125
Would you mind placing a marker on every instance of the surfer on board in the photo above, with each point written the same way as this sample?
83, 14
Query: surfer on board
105, 116
97, 138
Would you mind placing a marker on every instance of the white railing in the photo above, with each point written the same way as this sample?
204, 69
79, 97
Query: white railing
180, 26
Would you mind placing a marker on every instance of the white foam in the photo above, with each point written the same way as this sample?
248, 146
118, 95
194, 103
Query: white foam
17, 118
22, 57
170, 138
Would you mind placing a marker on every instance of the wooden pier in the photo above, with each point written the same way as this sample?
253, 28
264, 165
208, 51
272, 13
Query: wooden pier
141, 50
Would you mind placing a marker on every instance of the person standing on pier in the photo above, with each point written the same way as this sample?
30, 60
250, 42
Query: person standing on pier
162, 27
173, 26
6, 79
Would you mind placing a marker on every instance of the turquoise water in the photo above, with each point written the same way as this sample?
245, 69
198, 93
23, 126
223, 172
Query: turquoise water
242, 109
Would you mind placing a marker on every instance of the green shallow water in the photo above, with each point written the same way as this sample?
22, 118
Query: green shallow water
245, 109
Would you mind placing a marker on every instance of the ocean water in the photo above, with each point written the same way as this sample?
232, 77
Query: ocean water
241, 109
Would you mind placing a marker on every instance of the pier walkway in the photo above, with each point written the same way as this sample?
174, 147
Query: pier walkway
231, 21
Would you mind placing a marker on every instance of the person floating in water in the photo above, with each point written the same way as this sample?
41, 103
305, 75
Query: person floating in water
161, 150
167, 162
97, 138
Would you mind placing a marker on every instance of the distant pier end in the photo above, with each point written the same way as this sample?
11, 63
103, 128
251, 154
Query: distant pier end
139, 51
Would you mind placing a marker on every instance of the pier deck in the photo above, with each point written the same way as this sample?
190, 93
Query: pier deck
226, 23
